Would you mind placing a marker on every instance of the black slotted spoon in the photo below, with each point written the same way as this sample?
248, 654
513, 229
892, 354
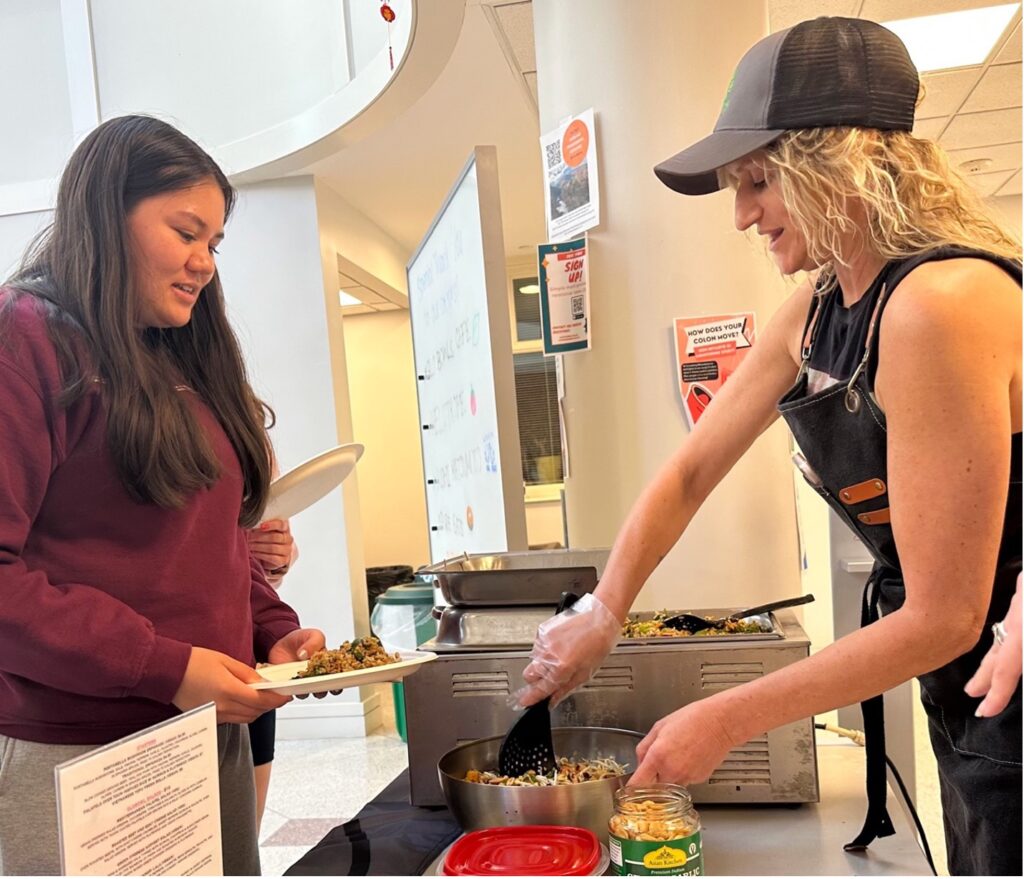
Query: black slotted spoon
527, 745
689, 622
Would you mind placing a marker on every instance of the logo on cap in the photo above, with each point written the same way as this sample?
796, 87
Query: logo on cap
728, 91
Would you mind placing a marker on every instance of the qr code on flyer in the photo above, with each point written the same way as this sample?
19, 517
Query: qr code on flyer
553, 151
576, 303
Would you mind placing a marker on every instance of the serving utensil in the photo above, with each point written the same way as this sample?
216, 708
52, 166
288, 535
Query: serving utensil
527, 745
689, 622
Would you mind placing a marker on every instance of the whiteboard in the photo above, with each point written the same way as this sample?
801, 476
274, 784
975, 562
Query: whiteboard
464, 378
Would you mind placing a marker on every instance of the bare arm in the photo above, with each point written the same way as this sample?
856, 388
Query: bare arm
950, 335
570, 646
739, 413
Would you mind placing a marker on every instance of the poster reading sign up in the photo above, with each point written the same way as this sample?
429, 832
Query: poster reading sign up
564, 296
709, 350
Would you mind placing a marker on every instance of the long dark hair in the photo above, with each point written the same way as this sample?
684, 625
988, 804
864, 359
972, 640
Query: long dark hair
80, 270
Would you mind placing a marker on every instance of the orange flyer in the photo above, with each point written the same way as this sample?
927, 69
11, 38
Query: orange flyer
708, 350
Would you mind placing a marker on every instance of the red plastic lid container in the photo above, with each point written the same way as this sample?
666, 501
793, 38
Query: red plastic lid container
531, 850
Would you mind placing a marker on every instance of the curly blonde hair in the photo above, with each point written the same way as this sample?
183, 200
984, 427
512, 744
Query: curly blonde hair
888, 191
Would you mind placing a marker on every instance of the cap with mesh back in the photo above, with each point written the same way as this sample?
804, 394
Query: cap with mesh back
821, 73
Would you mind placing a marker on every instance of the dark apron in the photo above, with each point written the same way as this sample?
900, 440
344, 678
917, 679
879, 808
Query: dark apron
841, 434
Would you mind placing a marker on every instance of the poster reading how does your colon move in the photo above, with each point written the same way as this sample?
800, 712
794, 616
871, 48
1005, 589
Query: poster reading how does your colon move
708, 350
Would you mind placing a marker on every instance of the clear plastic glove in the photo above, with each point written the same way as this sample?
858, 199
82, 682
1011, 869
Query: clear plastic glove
568, 649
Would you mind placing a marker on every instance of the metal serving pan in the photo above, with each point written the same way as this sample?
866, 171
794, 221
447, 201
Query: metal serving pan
770, 629
511, 628
588, 804
517, 578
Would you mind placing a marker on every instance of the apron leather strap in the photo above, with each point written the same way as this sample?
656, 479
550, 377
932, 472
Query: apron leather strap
877, 823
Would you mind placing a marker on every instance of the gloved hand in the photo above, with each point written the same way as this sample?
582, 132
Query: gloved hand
568, 649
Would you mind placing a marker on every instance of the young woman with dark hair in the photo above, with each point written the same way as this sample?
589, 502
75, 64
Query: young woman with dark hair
133, 456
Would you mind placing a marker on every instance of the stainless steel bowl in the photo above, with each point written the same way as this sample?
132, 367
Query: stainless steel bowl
589, 804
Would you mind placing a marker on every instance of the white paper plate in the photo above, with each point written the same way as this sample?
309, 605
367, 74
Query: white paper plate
279, 678
304, 485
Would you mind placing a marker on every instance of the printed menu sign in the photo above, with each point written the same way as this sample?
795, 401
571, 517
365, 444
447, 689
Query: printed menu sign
564, 296
709, 350
145, 805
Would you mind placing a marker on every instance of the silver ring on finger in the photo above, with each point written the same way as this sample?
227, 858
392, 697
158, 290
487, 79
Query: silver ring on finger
998, 632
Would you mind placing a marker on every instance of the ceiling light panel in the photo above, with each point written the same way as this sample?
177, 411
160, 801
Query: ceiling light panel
953, 39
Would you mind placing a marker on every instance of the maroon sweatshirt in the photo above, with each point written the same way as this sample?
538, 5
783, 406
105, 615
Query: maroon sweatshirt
101, 597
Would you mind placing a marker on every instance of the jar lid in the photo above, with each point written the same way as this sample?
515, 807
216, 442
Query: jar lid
532, 850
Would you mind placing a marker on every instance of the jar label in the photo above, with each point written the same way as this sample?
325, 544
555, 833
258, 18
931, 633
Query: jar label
676, 857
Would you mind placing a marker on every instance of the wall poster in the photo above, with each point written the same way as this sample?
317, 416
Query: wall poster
708, 350
564, 296
572, 201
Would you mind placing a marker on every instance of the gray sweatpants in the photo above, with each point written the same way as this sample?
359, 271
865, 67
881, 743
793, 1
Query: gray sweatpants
28, 804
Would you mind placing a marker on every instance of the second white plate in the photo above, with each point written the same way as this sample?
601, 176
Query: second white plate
281, 678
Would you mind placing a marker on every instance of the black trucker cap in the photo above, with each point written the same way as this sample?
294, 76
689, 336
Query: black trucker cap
821, 73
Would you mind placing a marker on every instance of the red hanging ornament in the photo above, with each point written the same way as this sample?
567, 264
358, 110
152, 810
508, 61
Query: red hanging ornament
388, 14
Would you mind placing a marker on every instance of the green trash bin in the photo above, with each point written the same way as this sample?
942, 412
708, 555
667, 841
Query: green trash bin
403, 618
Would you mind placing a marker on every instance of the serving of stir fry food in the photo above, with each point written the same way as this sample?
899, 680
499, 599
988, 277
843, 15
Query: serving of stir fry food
354, 655
567, 772
656, 628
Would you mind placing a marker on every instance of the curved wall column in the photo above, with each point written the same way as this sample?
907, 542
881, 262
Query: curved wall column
656, 73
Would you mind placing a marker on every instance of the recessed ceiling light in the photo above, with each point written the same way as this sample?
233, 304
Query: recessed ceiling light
348, 299
953, 39
530, 289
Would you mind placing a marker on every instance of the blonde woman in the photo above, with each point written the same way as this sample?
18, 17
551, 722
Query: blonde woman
898, 369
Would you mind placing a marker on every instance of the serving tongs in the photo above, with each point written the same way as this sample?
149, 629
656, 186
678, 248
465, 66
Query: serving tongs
527, 745
688, 622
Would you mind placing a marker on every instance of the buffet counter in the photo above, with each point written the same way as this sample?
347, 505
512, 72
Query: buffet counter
808, 839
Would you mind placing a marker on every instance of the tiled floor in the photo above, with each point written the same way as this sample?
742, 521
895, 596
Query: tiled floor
318, 784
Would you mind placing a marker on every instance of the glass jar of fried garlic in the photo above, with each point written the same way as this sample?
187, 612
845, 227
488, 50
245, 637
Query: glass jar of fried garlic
655, 831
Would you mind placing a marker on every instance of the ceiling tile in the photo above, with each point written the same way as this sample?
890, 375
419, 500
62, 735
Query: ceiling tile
1005, 157
978, 129
945, 92
929, 129
999, 88
988, 184
516, 20
896, 10
1011, 50
786, 13
1011, 186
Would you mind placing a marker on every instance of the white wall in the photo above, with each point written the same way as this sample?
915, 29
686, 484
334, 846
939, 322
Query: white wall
657, 256
37, 111
16, 231
249, 64
274, 282
382, 383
